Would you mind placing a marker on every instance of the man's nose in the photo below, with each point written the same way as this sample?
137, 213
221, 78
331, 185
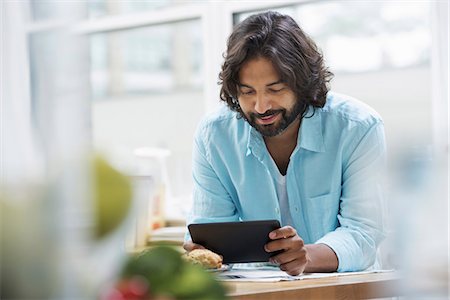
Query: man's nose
263, 103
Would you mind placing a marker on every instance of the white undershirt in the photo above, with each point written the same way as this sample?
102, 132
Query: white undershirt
281, 189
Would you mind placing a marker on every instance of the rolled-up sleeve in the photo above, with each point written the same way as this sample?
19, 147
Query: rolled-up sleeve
211, 200
360, 217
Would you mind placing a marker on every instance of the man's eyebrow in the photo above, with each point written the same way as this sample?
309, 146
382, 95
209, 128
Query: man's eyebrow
276, 82
270, 84
244, 85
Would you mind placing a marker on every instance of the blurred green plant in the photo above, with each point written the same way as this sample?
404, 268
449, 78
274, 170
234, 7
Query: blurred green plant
161, 273
112, 197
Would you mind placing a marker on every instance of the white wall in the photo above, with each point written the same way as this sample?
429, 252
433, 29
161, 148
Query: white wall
167, 121
401, 96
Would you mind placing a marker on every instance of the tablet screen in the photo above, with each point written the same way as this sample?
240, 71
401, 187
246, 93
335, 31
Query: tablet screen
237, 242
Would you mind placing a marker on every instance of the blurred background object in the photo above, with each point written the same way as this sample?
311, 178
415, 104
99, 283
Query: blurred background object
419, 217
112, 195
116, 76
154, 161
45, 140
165, 274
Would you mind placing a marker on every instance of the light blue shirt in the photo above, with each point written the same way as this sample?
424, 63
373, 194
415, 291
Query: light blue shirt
333, 177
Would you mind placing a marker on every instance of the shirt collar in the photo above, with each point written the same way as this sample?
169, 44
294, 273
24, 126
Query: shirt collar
310, 135
255, 143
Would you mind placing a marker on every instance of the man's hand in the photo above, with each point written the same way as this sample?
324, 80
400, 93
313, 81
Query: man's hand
294, 258
298, 257
189, 246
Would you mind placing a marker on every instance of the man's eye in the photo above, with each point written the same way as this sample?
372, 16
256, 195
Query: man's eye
276, 90
247, 92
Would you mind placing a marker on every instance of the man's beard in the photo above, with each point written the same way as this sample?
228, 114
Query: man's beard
287, 118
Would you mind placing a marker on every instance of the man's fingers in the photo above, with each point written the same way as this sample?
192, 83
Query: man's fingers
286, 256
293, 259
294, 242
189, 246
290, 255
283, 232
293, 268
277, 245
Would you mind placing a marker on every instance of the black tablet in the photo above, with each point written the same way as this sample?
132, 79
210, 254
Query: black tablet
237, 242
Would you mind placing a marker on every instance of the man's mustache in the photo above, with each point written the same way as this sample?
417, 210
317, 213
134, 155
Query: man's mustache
267, 113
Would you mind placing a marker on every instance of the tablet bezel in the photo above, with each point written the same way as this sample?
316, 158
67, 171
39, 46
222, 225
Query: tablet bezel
237, 242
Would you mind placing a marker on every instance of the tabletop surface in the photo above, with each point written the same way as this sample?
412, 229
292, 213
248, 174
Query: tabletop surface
361, 286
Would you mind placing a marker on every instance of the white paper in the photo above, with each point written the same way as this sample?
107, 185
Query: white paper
272, 274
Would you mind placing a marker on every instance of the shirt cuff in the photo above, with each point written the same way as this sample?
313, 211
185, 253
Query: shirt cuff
348, 252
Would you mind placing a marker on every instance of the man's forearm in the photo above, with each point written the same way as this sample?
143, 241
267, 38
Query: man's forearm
321, 259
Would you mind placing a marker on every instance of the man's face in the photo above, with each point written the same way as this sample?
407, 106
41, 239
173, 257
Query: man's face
267, 103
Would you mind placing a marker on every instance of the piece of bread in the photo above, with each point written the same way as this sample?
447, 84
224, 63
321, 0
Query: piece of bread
205, 258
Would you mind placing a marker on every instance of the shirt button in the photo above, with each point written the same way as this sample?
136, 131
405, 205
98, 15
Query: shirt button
296, 209
277, 210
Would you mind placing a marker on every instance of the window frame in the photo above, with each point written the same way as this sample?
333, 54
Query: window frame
217, 23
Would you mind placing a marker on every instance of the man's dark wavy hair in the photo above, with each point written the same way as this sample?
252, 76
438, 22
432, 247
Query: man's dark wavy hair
294, 55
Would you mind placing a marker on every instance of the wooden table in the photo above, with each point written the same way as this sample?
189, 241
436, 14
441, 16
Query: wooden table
362, 286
